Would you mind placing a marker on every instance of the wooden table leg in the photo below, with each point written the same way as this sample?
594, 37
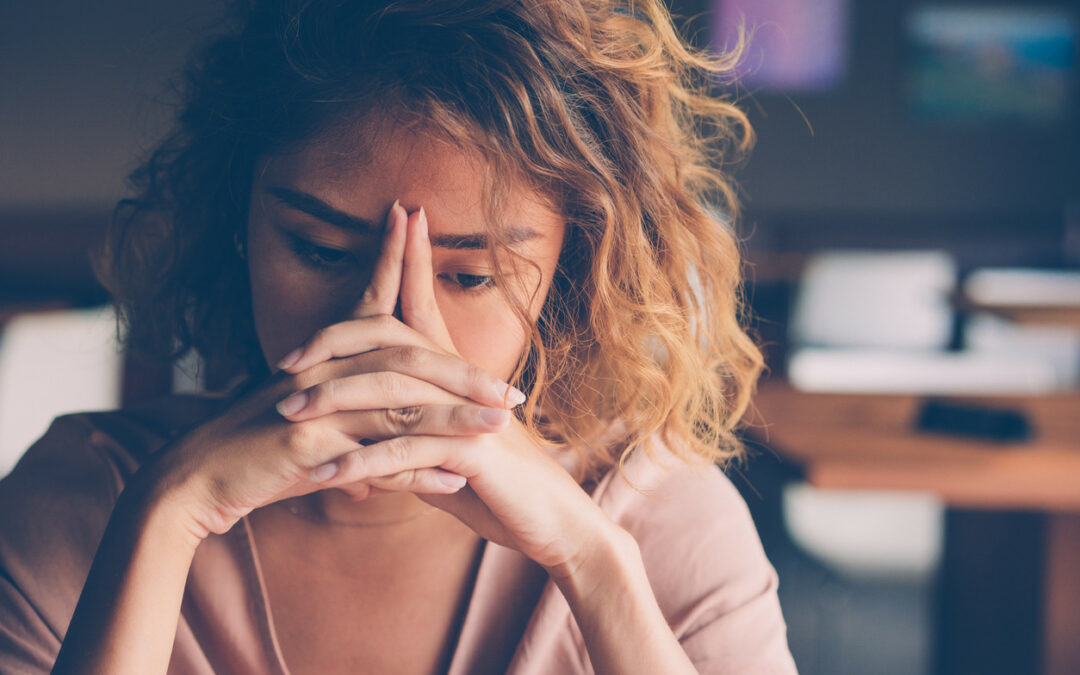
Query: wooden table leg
1061, 596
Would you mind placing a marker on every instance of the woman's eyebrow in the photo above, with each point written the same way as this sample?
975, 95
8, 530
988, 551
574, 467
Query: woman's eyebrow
514, 235
313, 206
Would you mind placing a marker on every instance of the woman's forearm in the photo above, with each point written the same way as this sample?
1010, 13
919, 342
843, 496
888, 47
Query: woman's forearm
616, 610
126, 617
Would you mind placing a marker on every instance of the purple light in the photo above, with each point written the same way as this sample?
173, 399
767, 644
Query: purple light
795, 45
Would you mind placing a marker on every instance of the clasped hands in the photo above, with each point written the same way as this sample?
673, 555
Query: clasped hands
380, 404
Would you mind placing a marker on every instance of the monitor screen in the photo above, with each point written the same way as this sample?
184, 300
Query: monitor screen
1001, 63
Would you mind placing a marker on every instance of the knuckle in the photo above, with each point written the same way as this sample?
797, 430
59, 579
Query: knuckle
354, 463
397, 481
357, 491
323, 396
319, 340
404, 420
461, 417
301, 437
476, 377
407, 479
389, 383
385, 322
409, 357
398, 451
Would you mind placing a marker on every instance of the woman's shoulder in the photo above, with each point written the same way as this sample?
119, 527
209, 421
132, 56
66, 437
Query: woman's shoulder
703, 556
121, 438
659, 495
56, 503
76, 470
68, 481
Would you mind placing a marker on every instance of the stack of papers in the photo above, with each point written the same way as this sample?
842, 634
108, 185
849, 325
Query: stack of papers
1015, 287
877, 371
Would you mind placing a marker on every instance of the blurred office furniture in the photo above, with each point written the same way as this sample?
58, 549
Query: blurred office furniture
58, 350
869, 321
866, 534
884, 321
1010, 586
52, 363
876, 349
883, 299
1037, 297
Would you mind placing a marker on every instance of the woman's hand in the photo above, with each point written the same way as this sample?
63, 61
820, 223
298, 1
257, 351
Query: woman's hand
517, 494
395, 381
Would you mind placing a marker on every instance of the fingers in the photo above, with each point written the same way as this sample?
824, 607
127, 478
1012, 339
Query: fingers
457, 455
448, 372
418, 481
410, 279
330, 459
379, 298
349, 338
419, 308
422, 481
381, 294
431, 420
367, 391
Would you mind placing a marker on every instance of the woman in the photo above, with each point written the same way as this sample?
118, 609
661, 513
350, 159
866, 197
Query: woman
450, 247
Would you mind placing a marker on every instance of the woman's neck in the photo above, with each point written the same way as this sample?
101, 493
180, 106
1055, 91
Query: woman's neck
336, 508
329, 535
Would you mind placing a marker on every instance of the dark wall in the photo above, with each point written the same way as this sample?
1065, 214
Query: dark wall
81, 91
855, 166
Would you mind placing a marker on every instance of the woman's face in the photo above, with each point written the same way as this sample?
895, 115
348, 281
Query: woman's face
315, 228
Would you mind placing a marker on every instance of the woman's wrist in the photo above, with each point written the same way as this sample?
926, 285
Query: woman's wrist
616, 610
126, 616
157, 498
611, 558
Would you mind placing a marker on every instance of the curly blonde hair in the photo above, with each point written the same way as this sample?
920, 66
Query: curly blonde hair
600, 106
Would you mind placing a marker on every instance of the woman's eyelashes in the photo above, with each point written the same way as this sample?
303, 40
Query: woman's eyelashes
329, 259
468, 283
320, 257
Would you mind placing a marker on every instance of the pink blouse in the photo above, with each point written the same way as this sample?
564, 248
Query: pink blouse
702, 554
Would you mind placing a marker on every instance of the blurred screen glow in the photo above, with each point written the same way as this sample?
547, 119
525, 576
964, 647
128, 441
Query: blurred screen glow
1011, 63
795, 45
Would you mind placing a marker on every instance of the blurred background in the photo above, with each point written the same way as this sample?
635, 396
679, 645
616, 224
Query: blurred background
912, 226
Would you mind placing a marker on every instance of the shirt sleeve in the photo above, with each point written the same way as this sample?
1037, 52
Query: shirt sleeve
54, 506
707, 567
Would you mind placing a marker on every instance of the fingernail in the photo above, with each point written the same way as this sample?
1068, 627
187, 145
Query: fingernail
422, 222
515, 396
292, 404
392, 221
290, 358
324, 472
452, 480
493, 417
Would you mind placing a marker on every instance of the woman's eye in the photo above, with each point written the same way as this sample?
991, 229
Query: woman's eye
319, 256
470, 282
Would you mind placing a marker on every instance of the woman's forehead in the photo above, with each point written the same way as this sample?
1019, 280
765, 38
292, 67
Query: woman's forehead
407, 163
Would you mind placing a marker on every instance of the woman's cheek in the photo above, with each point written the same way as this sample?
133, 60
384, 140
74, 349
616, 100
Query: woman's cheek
491, 339
288, 306
488, 332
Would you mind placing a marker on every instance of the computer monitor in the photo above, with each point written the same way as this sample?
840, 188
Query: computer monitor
992, 64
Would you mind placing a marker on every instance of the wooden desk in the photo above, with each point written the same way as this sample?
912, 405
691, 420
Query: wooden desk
869, 442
